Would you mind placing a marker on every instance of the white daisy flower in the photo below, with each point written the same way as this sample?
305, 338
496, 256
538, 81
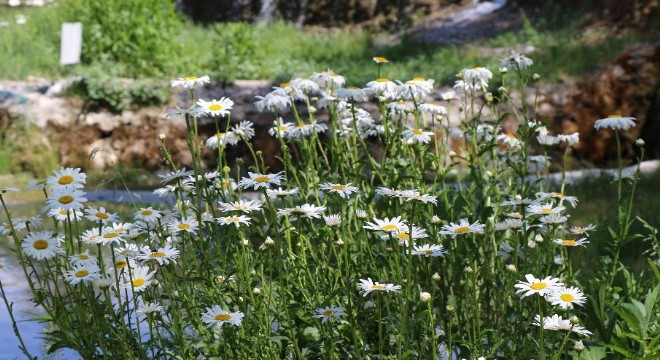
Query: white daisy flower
569, 139
148, 215
571, 242
257, 181
361, 214
353, 94
245, 206
272, 101
307, 86
163, 255
328, 313
545, 209
544, 138
582, 230
183, 225
82, 273
387, 225
332, 220
557, 195
432, 109
429, 250
303, 130
463, 227
533, 286
414, 90
556, 322
328, 79
414, 135
280, 128
221, 139
100, 214
566, 297
190, 81
149, 308
216, 316
67, 178
176, 175
305, 210
279, 192
615, 122
342, 190
234, 220
554, 219
405, 234
448, 95
4, 189
38, 185
244, 130
66, 198
4, 265
82, 259
216, 107
42, 245
138, 279
516, 62
477, 76
6, 228
381, 87
109, 236
367, 286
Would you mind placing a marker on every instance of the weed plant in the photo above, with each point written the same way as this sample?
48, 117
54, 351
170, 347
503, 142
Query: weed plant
360, 248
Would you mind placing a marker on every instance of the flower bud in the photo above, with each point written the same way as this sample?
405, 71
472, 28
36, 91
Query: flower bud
531, 244
579, 346
245, 242
269, 241
424, 297
450, 307
436, 277
489, 97
162, 136
640, 142
256, 291
538, 238
339, 242
435, 219
511, 268
536, 77
468, 269
574, 320
501, 90
220, 279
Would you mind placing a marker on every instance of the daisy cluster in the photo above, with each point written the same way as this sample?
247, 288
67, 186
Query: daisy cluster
375, 229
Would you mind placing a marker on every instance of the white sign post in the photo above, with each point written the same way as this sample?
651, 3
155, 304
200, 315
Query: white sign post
71, 45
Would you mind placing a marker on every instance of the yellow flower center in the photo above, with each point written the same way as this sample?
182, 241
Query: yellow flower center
110, 235
2, 266
462, 230
382, 80
261, 179
419, 79
102, 215
568, 242
427, 252
146, 212
546, 210
380, 59
65, 180
139, 282
219, 135
235, 219
558, 194
83, 256
539, 286
183, 226
120, 229
285, 84
223, 317
157, 254
338, 187
516, 215
190, 78
215, 107
567, 297
390, 227
120, 264
328, 313
417, 132
614, 116
40, 244
66, 199
334, 75
81, 273
63, 212
282, 128
377, 287
403, 235
353, 88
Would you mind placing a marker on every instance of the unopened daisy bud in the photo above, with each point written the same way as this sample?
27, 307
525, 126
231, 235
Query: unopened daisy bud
389, 249
450, 307
536, 77
312, 110
226, 169
468, 269
424, 297
489, 97
162, 136
574, 320
259, 153
579, 346
489, 174
511, 268
382, 99
531, 244
314, 99
256, 291
435, 219
269, 241
410, 142
640, 142
263, 247
339, 242
504, 70
155, 283
361, 214
245, 242
436, 277
538, 238
558, 260
220, 279
501, 90
452, 153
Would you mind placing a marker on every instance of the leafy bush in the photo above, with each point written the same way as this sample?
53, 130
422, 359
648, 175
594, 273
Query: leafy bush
236, 53
138, 34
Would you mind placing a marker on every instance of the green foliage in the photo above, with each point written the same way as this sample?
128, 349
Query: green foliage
138, 34
236, 53
25, 148
101, 90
